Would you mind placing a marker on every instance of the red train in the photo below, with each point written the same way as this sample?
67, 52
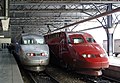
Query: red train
77, 51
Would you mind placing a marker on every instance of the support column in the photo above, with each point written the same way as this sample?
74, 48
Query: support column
65, 28
109, 32
110, 41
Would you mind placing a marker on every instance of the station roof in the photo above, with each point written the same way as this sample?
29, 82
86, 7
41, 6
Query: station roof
43, 16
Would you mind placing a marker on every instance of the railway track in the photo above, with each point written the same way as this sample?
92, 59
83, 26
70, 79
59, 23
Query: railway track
112, 80
100, 79
64, 76
41, 77
57, 75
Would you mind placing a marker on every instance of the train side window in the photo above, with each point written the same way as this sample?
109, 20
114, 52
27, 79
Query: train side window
90, 40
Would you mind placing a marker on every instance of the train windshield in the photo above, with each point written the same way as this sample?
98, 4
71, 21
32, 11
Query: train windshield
33, 40
78, 40
90, 40
75, 39
39, 41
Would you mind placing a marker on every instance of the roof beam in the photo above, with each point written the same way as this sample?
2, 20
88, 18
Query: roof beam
65, 1
91, 18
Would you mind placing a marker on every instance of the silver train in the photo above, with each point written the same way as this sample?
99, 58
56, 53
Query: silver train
32, 51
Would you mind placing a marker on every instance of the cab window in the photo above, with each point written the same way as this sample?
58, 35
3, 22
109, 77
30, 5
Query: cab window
28, 41
39, 41
78, 40
33, 40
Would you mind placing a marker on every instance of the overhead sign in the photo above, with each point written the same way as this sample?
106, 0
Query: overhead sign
4, 9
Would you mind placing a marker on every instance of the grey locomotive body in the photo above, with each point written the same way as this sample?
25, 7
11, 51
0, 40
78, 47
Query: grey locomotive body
32, 51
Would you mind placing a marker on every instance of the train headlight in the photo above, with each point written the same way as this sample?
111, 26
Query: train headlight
43, 54
102, 55
88, 56
30, 54
84, 55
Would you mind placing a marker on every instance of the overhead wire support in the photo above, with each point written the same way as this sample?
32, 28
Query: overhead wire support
91, 18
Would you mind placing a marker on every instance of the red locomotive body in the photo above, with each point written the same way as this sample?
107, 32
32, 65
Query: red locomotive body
77, 51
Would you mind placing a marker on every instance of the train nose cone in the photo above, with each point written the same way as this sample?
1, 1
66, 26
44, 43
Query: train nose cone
88, 48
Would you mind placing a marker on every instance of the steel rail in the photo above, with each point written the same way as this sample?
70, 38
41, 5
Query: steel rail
112, 79
42, 75
52, 78
33, 79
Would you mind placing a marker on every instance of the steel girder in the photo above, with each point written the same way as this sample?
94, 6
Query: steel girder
28, 14
66, 1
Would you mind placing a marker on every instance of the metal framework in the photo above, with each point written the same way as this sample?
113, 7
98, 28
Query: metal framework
95, 17
43, 16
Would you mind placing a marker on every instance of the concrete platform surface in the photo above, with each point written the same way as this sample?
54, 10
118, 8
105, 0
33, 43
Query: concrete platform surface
115, 61
9, 71
114, 69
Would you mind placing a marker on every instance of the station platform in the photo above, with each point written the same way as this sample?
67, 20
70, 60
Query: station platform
114, 68
114, 60
9, 71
